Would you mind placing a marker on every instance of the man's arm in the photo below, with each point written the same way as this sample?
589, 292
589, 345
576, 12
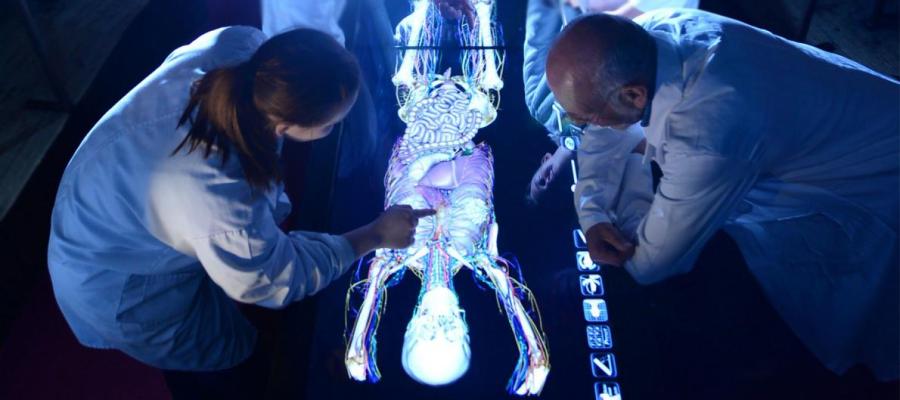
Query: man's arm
613, 193
543, 22
602, 159
695, 197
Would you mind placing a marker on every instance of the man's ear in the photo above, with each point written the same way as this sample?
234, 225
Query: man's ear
634, 95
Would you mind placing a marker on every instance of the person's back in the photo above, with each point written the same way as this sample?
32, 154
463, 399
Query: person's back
804, 145
106, 240
811, 115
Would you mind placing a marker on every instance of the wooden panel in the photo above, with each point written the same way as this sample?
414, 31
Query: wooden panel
79, 34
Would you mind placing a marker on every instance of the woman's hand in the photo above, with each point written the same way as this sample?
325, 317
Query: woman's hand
393, 229
397, 225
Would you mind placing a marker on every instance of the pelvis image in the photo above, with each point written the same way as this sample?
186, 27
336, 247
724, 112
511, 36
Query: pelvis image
436, 164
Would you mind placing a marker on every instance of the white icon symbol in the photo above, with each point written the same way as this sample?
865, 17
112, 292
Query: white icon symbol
591, 285
607, 391
599, 337
578, 238
603, 365
584, 261
595, 310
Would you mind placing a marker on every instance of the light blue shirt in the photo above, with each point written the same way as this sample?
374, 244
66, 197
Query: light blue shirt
148, 249
794, 151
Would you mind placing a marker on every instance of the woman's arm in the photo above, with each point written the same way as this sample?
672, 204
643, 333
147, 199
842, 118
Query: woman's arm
234, 236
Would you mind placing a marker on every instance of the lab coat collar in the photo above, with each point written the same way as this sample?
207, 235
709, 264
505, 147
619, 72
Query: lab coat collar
279, 144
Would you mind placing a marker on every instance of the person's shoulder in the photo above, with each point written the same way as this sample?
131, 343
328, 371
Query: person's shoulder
684, 22
222, 43
235, 36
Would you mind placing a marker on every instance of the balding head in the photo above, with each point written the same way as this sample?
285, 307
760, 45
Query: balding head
601, 69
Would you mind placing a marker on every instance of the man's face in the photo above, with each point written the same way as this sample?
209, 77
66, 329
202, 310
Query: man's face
585, 101
618, 109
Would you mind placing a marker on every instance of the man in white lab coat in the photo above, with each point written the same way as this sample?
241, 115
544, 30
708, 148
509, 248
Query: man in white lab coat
544, 20
790, 149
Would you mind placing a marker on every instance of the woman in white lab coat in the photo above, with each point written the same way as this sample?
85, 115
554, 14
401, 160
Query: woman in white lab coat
168, 211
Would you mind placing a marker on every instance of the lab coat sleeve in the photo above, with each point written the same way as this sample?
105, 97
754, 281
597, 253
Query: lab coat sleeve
650, 5
543, 23
283, 15
695, 196
264, 266
602, 191
235, 237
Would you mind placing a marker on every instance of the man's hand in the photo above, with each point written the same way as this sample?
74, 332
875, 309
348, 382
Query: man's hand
607, 245
455, 9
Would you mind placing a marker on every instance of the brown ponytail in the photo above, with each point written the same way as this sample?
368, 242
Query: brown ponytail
300, 77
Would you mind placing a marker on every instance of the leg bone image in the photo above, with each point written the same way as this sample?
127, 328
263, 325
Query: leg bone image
436, 164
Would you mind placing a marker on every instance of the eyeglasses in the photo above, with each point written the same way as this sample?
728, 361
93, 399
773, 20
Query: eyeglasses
600, 119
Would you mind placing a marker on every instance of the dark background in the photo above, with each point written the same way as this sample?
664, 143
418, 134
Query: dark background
709, 334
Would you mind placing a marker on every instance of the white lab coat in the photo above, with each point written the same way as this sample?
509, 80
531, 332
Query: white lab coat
627, 177
653, 5
283, 15
790, 149
148, 249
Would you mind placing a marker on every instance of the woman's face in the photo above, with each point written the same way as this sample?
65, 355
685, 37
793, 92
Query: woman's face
310, 133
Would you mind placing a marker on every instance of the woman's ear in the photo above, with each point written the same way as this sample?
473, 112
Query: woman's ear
281, 128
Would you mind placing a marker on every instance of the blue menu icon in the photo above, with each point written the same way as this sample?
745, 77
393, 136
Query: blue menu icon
583, 258
578, 238
607, 391
595, 310
603, 365
591, 285
599, 337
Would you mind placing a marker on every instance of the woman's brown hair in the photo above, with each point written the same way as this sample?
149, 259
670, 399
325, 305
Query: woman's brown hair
301, 77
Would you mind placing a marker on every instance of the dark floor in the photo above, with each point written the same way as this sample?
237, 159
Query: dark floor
708, 335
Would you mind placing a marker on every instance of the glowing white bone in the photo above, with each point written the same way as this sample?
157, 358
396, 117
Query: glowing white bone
436, 344
491, 79
435, 165
416, 23
538, 365
357, 356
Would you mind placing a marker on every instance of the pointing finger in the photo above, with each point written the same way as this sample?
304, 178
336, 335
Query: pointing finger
424, 212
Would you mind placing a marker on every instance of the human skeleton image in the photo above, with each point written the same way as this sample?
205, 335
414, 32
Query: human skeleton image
436, 164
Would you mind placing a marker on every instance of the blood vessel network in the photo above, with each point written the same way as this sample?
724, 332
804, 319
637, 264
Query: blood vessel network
436, 164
